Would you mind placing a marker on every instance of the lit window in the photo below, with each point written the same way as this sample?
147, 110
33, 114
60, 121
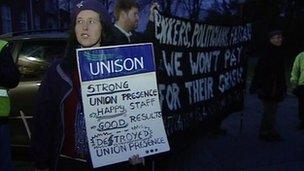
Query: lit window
23, 21
6, 19
37, 22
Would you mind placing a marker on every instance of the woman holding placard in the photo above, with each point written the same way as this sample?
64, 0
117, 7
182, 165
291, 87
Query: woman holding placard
59, 134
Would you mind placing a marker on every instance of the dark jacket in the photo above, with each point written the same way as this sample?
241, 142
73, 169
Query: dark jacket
9, 73
269, 76
48, 122
117, 37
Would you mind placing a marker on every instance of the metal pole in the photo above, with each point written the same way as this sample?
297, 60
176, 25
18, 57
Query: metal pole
241, 2
32, 15
241, 122
153, 165
58, 14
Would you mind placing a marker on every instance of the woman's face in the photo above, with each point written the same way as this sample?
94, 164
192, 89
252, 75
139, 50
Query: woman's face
277, 40
88, 28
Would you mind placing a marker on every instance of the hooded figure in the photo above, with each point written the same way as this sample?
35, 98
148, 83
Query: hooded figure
270, 83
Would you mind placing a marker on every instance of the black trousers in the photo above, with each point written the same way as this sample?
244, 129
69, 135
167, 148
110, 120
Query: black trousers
301, 108
269, 116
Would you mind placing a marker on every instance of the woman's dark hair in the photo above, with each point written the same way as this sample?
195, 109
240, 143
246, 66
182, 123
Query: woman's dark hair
72, 44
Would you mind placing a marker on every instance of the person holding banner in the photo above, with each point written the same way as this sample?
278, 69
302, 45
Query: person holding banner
59, 139
297, 80
127, 18
9, 78
270, 84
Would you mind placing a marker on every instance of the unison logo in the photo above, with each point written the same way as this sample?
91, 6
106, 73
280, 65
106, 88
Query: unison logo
115, 64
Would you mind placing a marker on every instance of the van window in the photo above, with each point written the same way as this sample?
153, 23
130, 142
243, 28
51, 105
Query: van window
35, 58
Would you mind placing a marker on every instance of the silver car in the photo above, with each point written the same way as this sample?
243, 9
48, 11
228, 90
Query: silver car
33, 54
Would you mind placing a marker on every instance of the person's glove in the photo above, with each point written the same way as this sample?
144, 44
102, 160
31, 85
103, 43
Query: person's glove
135, 159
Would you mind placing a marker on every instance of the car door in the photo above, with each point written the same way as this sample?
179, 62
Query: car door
33, 60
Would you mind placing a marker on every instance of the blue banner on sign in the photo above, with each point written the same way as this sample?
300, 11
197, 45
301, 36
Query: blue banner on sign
109, 62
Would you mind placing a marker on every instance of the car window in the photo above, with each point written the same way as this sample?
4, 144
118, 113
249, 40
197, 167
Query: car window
35, 58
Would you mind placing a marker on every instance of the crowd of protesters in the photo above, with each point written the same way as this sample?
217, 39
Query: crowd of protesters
60, 143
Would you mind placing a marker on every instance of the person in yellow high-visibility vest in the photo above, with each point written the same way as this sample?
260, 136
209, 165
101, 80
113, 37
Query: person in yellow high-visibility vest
9, 78
297, 80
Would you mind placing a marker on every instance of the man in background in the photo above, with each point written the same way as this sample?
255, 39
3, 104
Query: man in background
127, 17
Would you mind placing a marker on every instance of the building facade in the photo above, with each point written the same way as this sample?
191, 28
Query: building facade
27, 15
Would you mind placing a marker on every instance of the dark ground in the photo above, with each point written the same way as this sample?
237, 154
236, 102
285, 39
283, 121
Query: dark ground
241, 150
244, 151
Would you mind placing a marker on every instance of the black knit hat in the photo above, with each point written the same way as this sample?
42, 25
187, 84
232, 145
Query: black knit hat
275, 32
93, 5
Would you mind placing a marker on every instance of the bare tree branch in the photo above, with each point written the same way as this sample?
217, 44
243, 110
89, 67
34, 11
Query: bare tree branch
193, 7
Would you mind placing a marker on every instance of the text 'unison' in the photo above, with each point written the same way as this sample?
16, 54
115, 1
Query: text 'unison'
116, 66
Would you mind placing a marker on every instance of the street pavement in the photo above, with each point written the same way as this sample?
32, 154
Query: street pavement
240, 149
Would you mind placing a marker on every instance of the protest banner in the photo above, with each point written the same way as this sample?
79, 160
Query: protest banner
201, 70
121, 103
